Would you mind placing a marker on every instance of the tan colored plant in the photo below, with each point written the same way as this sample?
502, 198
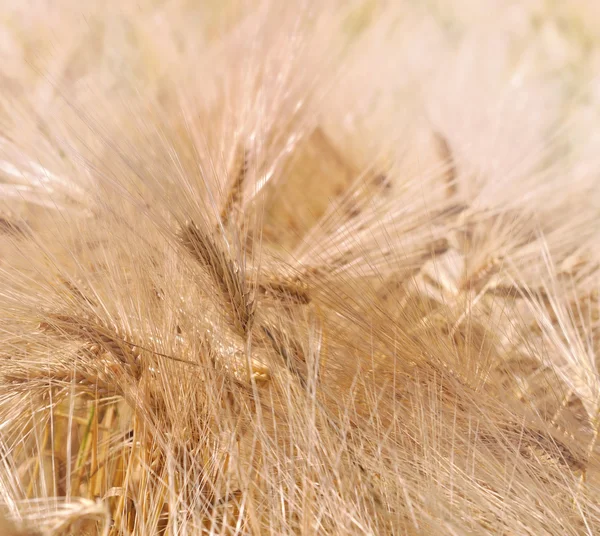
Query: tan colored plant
246, 290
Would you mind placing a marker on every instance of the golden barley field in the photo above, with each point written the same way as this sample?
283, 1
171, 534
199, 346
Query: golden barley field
303, 267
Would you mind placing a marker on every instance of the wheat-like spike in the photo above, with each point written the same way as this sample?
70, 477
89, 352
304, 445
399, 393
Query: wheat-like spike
292, 289
12, 228
235, 189
75, 290
237, 297
95, 334
553, 447
450, 174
